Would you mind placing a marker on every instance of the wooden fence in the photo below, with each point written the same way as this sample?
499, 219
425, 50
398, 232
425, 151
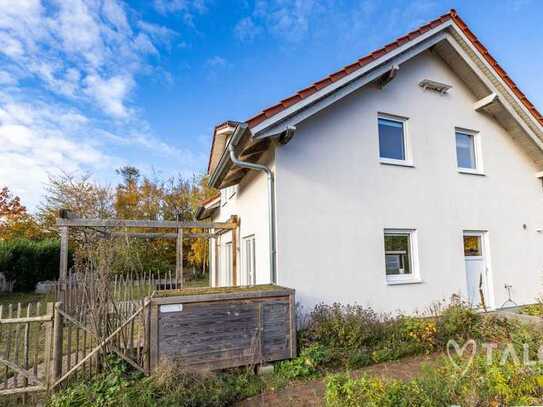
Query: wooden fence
26, 348
44, 345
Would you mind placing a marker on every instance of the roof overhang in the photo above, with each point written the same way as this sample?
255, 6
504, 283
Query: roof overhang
248, 149
207, 210
450, 39
451, 44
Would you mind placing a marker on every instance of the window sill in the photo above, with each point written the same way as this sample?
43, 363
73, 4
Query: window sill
399, 163
471, 172
406, 281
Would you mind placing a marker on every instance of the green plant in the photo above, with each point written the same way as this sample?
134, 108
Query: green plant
355, 336
535, 310
458, 321
170, 385
343, 326
482, 384
28, 261
305, 365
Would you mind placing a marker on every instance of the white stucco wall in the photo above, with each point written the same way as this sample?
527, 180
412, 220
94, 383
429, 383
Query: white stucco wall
250, 204
334, 199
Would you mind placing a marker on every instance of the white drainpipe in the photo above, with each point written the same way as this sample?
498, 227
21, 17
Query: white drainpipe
271, 205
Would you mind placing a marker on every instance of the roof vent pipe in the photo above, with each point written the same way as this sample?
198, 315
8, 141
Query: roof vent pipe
271, 205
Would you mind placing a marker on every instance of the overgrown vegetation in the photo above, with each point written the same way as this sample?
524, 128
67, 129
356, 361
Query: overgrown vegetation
170, 385
496, 383
339, 337
355, 337
535, 310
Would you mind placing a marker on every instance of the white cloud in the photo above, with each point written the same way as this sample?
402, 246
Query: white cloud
73, 45
246, 29
68, 70
186, 7
287, 20
37, 140
216, 61
110, 93
297, 22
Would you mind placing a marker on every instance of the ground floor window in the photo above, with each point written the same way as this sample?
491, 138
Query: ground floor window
401, 255
227, 264
249, 260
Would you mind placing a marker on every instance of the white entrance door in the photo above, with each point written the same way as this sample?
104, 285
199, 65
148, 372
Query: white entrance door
476, 268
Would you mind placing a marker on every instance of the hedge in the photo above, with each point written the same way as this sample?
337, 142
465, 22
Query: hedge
28, 262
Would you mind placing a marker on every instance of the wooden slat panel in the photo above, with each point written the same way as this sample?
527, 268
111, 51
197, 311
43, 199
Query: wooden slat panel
229, 332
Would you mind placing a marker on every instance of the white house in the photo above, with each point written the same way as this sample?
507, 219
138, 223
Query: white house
410, 175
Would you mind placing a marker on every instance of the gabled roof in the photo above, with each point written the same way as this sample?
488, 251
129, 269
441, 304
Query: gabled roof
224, 125
273, 120
334, 77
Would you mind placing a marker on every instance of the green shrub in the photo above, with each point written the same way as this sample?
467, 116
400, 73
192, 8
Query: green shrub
356, 337
28, 262
344, 326
535, 310
458, 321
305, 365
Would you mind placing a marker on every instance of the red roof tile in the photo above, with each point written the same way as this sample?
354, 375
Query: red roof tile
451, 15
210, 199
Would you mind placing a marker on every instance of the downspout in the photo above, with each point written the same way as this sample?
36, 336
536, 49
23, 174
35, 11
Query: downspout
271, 204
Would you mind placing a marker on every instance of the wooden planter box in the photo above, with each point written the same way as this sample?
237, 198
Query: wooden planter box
220, 328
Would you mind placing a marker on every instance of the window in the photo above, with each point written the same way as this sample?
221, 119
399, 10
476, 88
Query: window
249, 263
227, 264
467, 152
472, 246
401, 256
393, 141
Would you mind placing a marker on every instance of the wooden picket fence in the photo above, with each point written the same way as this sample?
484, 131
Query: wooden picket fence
45, 345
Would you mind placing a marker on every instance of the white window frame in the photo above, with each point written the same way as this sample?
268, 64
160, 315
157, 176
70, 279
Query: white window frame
249, 263
408, 161
227, 264
414, 276
479, 168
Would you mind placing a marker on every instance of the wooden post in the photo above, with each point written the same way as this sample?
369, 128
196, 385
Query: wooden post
63, 271
292, 324
153, 336
179, 259
147, 339
234, 220
58, 328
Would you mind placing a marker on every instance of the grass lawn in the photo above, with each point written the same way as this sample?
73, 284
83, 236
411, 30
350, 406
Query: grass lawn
24, 298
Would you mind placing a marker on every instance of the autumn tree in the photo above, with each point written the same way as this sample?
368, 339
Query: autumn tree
77, 193
15, 221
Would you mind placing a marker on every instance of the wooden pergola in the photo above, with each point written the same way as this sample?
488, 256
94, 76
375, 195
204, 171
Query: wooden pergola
105, 227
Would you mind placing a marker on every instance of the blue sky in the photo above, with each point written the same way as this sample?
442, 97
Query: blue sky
90, 85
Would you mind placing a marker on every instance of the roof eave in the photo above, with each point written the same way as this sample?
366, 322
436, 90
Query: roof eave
225, 163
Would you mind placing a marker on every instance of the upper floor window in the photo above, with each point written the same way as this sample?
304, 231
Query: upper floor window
393, 140
468, 154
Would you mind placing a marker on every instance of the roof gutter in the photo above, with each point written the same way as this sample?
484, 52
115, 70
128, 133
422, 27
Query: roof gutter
231, 148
